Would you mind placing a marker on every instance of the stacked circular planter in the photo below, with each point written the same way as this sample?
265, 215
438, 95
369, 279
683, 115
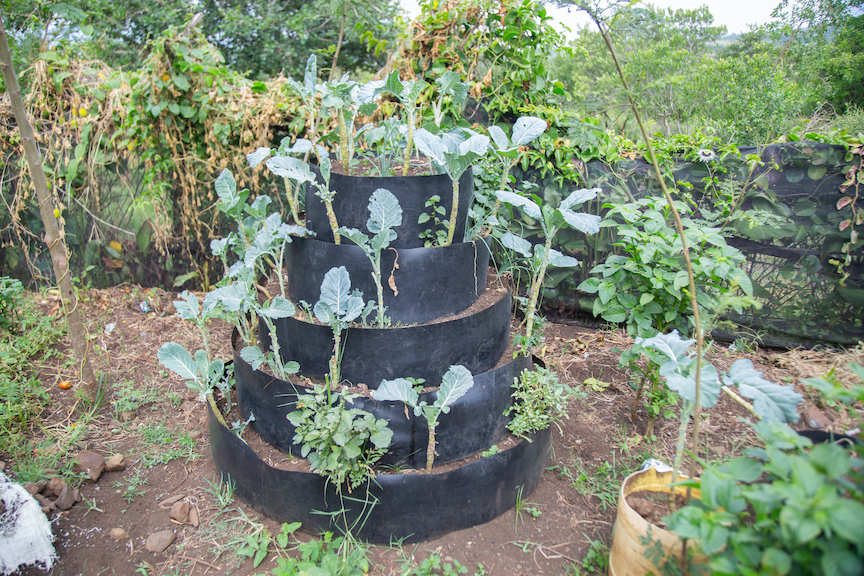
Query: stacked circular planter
434, 284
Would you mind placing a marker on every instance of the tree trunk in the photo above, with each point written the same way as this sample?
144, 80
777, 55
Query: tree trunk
53, 235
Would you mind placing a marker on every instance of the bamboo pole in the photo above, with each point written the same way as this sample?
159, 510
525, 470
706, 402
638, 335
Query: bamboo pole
53, 234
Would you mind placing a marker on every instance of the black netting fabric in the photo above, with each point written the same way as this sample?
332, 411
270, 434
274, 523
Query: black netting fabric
781, 213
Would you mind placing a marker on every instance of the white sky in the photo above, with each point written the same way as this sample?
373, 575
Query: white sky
736, 15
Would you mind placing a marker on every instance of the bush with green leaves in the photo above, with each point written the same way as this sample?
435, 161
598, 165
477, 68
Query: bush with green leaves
786, 507
645, 286
539, 400
341, 443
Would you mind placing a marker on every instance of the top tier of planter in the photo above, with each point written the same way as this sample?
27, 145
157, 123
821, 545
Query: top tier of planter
352, 198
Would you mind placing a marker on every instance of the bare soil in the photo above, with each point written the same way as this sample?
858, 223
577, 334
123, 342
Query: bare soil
593, 449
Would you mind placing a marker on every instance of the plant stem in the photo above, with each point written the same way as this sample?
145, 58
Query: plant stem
505, 179
409, 140
454, 212
334, 225
535, 289
430, 448
679, 226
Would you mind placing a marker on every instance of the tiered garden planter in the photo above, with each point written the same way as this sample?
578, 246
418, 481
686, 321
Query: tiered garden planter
433, 284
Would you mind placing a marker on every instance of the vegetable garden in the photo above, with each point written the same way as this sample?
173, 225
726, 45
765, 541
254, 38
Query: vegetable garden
433, 320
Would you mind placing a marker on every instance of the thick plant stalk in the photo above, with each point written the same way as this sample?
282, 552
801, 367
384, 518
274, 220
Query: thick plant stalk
53, 234
502, 186
535, 290
409, 144
430, 450
454, 212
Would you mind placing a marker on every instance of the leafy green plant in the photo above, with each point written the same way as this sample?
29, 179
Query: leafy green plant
131, 486
433, 565
454, 155
201, 373
11, 291
437, 235
407, 93
294, 172
456, 382
384, 215
552, 220
785, 508
770, 401
449, 84
539, 399
256, 547
341, 443
645, 286
338, 556
337, 307
524, 507
509, 151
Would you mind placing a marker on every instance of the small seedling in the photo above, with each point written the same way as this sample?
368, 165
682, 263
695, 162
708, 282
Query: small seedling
596, 385
457, 381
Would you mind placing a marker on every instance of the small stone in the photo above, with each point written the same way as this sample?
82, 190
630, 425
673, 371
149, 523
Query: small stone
40, 486
90, 463
170, 501
197, 434
2, 465
55, 487
194, 518
66, 499
116, 463
189, 405
49, 472
160, 541
45, 502
31, 488
127, 416
46, 510
816, 418
119, 534
77, 494
180, 512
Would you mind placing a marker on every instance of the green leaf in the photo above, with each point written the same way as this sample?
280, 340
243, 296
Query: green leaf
499, 138
226, 186
776, 561
770, 401
585, 223
578, 197
384, 211
615, 314
291, 168
335, 289
607, 291
527, 129
277, 307
457, 381
258, 156
175, 358
399, 390
530, 207
516, 243
559, 260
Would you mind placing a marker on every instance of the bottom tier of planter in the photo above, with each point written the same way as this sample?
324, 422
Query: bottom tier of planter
407, 507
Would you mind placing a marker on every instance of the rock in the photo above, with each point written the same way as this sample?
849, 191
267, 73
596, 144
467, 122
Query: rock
127, 416
31, 488
2, 465
119, 534
48, 472
816, 418
77, 494
90, 463
55, 487
40, 485
160, 541
189, 405
170, 501
66, 499
45, 502
194, 518
196, 434
116, 463
180, 512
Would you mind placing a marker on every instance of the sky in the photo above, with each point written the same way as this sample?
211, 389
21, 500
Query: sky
736, 15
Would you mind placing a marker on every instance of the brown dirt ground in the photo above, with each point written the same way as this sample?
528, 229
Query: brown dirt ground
593, 450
